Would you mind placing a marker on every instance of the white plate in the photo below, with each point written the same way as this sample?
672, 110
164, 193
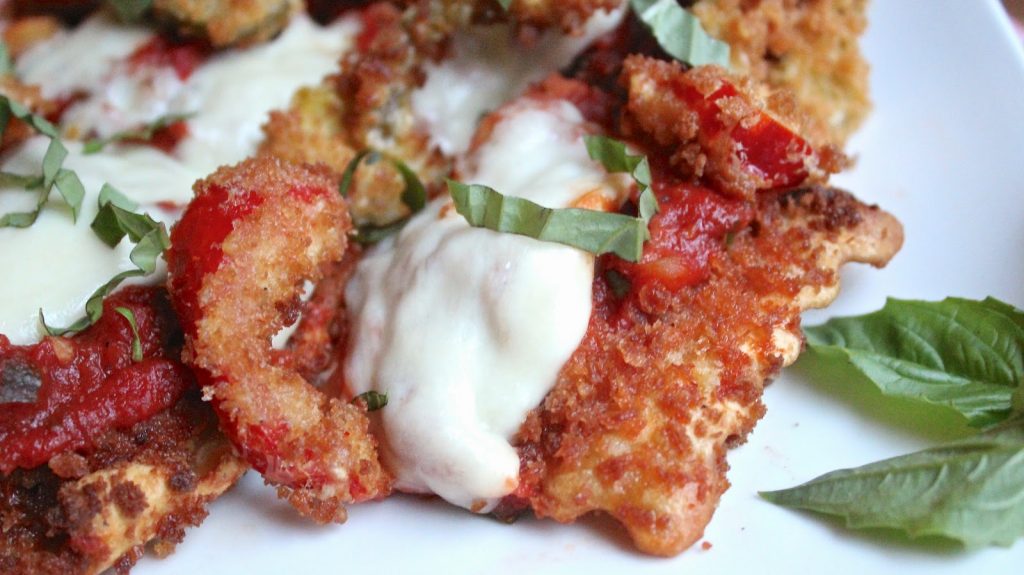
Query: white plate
944, 151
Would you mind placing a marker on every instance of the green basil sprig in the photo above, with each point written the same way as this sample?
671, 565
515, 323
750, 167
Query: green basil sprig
592, 231
680, 33
114, 221
970, 490
374, 400
589, 230
53, 174
963, 355
143, 133
136, 342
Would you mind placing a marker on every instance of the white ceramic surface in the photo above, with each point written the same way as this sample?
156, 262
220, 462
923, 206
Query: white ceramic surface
944, 151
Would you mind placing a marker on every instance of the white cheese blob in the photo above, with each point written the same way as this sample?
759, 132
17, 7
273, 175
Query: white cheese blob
466, 329
56, 265
489, 66
234, 91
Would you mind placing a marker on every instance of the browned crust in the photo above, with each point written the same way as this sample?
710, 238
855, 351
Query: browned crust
317, 449
809, 47
227, 22
642, 415
87, 512
655, 112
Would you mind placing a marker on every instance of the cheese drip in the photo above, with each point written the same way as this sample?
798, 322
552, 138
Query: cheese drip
466, 329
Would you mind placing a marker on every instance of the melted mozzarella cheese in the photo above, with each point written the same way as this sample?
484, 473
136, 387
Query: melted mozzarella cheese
59, 264
56, 264
466, 329
234, 92
489, 66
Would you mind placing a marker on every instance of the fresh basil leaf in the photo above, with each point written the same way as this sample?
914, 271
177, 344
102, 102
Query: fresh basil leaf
960, 354
350, 171
615, 158
25, 219
374, 400
971, 490
143, 133
53, 172
110, 194
368, 235
53, 159
589, 230
151, 244
11, 180
71, 189
112, 223
6, 64
680, 33
130, 10
414, 195
38, 123
136, 342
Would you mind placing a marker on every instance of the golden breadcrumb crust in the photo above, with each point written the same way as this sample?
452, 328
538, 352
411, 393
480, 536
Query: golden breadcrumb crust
809, 47
87, 512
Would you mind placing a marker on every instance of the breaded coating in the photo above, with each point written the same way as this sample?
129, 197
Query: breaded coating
672, 368
807, 46
227, 22
714, 128
240, 254
101, 455
85, 513
367, 106
662, 385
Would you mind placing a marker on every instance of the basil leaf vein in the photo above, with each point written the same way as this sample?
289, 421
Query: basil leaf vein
680, 33
971, 490
964, 355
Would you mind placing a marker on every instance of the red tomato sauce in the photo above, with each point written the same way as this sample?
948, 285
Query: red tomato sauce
71, 390
692, 224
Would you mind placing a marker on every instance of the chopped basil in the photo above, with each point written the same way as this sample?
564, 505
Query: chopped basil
6, 65
414, 195
680, 33
615, 158
505, 4
143, 133
971, 490
589, 230
53, 173
130, 10
373, 400
111, 224
963, 355
136, 342
115, 219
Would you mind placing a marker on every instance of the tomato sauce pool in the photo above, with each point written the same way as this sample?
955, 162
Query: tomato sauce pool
63, 393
